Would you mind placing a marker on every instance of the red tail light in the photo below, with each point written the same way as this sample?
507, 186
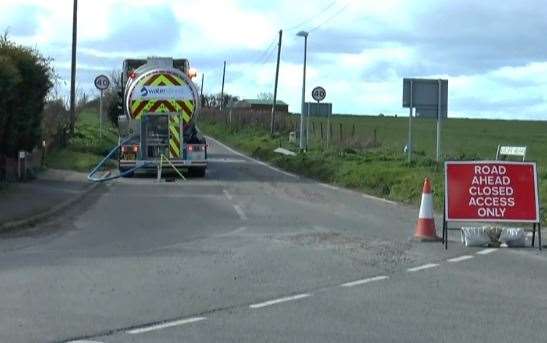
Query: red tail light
130, 148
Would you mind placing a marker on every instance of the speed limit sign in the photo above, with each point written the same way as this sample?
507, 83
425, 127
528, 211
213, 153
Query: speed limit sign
102, 82
318, 93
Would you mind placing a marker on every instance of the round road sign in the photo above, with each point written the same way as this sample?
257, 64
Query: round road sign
102, 82
318, 93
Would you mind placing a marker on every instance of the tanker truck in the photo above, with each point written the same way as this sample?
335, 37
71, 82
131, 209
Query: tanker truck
158, 125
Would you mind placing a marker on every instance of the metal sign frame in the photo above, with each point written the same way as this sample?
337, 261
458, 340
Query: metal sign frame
101, 86
500, 152
427, 95
536, 224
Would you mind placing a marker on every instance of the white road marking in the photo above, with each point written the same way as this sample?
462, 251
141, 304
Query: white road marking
280, 300
372, 197
167, 196
296, 176
252, 159
240, 212
485, 251
363, 281
227, 194
165, 325
326, 185
233, 232
460, 258
83, 342
227, 160
366, 196
425, 266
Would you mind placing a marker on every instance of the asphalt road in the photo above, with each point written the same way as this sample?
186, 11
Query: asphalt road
252, 254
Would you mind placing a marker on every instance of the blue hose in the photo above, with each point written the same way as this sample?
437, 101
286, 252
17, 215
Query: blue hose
91, 177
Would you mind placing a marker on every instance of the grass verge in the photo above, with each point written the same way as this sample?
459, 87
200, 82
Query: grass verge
86, 148
376, 171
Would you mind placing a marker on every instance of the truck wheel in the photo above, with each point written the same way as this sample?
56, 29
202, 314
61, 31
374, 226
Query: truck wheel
197, 172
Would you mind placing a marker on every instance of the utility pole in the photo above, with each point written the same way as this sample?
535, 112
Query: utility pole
222, 90
272, 124
73, 69
201, 90
305, 35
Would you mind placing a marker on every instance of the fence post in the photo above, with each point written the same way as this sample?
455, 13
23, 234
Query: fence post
43, 156
353, 131
340, 133
321, 132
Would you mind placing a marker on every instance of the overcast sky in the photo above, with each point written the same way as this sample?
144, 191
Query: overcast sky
494, 53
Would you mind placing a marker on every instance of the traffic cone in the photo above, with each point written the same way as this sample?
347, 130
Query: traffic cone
425, 227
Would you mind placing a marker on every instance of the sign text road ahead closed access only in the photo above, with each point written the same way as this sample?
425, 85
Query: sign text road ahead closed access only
491, 191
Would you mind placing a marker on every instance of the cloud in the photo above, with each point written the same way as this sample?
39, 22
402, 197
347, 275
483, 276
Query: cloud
155, 30
468, 37
21, 21
492, 54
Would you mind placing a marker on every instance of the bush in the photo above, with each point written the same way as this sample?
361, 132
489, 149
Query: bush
56, 123
112, 99
25, 81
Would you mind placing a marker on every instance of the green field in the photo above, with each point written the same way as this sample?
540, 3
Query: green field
85, 149
375, 163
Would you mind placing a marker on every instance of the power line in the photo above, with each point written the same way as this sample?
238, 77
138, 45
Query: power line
268, 57
337, 13
264, 52
318, 14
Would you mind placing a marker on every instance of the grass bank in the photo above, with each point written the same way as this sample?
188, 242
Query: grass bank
382, 169
86, 148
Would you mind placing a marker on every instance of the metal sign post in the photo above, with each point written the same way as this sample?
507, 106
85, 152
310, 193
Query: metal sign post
328, 130
102, 83
318, 94
428, 98
22, 155
409, 144
439, 121
101, 116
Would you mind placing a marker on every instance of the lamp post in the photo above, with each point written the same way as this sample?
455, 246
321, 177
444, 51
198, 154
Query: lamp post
305, 35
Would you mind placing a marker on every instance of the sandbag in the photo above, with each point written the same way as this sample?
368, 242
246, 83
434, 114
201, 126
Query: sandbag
475, 236
513, 237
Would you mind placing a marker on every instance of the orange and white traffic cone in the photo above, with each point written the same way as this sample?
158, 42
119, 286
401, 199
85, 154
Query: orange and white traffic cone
425, 227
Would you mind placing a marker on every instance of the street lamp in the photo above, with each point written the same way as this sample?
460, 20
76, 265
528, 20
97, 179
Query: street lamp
305, 35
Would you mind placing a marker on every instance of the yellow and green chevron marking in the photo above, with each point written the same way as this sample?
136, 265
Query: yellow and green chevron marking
185, 108
174, 136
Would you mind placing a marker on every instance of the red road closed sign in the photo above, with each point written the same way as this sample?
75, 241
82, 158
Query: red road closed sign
491, 191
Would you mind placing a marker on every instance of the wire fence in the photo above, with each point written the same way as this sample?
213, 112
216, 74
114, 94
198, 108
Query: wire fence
323, 132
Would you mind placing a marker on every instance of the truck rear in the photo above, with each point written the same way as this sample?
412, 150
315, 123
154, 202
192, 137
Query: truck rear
158, 125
